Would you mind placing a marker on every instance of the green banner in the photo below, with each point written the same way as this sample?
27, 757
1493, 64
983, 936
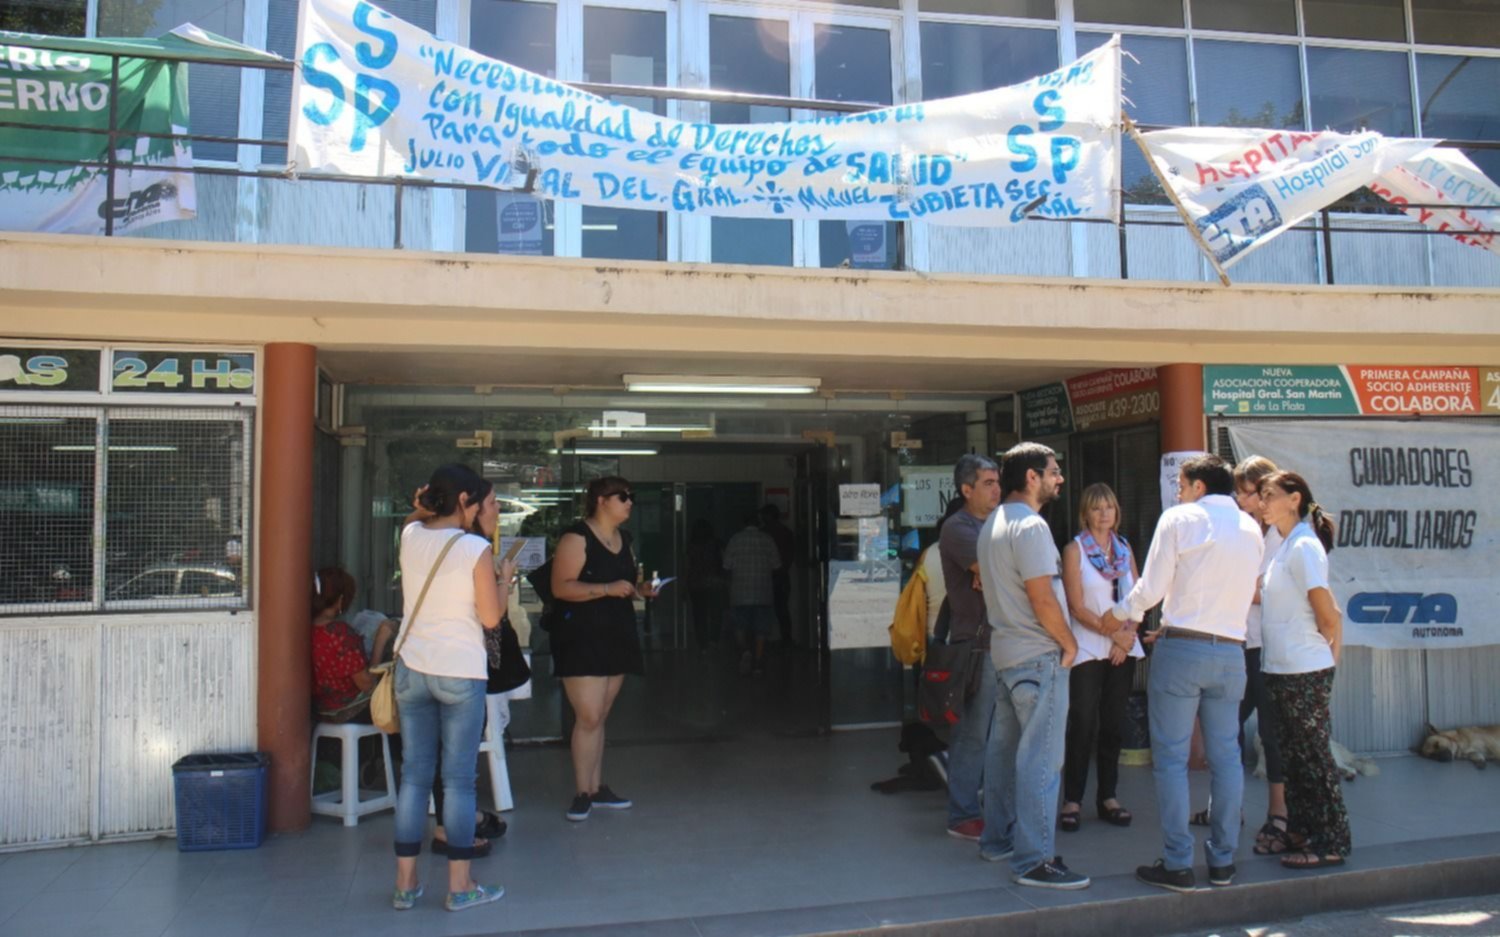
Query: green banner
1278, 390
61, 93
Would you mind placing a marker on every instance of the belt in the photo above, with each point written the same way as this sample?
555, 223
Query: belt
1192, 635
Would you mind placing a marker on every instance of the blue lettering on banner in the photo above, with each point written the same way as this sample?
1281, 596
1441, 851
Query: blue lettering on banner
1403, 608
454, 113
1234, 226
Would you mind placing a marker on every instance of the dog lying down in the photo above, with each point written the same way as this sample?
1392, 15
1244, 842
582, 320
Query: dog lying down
1349, 764
1476, 744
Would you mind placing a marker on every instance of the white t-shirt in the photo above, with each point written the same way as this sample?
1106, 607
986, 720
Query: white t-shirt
937, 589
1098, 597
1289, 630
1252, 620
447, 639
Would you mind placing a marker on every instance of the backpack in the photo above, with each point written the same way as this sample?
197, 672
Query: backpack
909, 628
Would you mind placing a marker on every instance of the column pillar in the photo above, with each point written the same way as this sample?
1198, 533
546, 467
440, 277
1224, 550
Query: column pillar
284, 574
1182, 425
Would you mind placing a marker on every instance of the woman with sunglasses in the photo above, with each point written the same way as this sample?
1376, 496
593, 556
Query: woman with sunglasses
594, 640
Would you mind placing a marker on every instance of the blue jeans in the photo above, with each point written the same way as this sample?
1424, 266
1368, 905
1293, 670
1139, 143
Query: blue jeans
967, 745
433, 708
1023, 762
1205, 680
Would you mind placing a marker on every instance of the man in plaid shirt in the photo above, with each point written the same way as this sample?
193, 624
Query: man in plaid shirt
751, 557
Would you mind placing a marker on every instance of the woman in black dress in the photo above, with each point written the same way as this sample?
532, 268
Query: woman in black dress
594, 640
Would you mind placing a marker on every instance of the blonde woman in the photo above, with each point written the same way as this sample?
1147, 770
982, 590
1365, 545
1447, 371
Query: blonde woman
1098, 569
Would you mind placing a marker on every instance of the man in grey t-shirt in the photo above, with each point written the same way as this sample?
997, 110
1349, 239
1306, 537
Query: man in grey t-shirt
977, 481
1032, 649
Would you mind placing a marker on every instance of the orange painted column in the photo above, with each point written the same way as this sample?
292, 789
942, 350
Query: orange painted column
284, 575
1183, 428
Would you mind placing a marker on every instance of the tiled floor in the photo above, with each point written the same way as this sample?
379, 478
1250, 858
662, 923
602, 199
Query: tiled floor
736, 838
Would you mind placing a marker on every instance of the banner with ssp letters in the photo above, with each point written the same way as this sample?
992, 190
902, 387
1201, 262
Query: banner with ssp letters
1237, 189
1418, 528
376, 96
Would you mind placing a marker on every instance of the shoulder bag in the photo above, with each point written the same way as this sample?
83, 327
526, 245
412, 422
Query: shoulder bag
383, 711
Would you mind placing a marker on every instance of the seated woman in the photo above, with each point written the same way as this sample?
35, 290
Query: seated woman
342, 681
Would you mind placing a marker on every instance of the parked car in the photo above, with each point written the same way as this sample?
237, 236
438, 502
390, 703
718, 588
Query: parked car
171, 582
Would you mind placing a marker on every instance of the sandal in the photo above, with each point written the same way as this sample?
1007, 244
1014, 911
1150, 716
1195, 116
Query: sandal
1278, 841
1311, 860
493, 826
1275, 825
1117, 816
1068, 822
1200, 819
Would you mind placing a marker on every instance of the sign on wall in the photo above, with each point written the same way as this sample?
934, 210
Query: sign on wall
377, 96
1418, 526
1352, 390
1097, 400
925, 493
181, 372
49, 369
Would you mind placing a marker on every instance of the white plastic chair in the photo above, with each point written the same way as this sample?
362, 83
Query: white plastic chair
346, 802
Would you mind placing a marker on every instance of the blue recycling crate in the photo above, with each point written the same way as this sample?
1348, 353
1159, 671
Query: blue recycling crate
221, 801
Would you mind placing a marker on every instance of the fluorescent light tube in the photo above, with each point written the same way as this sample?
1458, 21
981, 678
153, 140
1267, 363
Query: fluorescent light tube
718, 384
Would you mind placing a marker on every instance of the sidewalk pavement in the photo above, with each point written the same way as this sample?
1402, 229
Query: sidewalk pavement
753, 836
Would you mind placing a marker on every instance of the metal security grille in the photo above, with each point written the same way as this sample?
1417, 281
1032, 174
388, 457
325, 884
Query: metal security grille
124, 508
47, 489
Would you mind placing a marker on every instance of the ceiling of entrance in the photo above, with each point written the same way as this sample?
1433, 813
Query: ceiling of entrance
584, 370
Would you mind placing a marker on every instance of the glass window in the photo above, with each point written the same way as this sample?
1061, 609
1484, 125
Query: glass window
1260, 16
46, 507
853, 63
1244, 84
1030, 9
281, 38
1157, 88
524, 35
1130, 12
1355, 19
751, 56
1354, 89
625, 47
958, 58
1457, 101
175, 522
46, 17
1447, 23
213, 90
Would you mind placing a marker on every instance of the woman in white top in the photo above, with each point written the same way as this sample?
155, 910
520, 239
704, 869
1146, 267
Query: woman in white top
1301, 635
441, 673
1097, 570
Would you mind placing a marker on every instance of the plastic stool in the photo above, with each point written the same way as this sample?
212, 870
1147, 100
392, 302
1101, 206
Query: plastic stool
497, 717
346, 802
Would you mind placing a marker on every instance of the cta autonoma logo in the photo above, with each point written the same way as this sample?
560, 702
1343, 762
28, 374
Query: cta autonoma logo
1403, 608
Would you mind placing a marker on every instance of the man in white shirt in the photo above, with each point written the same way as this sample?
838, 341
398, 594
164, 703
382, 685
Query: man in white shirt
1203, 560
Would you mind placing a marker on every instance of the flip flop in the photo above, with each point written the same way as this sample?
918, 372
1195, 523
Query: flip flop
1199, 819
1311, 860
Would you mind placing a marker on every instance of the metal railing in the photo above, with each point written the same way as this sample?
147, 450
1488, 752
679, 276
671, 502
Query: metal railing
1324, 226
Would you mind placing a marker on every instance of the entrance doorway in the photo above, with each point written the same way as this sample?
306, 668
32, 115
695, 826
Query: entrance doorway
693, 463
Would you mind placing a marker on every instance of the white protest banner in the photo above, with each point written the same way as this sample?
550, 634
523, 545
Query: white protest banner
376, 96
1444, 174
1418, 527
1239, 188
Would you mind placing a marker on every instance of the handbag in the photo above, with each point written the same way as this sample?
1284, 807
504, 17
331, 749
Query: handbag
541, 583
383, 712
507, 665
949, 679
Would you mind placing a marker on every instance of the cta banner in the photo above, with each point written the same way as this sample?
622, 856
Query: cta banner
376, 96
1351, 390
63, 93
1238, 188
1418, 527
1445, 175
